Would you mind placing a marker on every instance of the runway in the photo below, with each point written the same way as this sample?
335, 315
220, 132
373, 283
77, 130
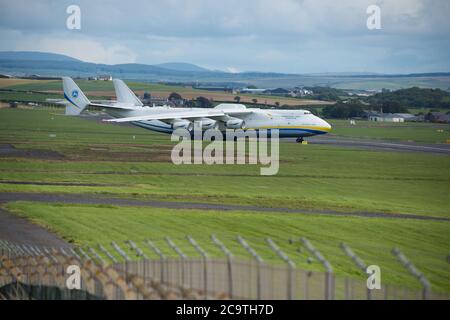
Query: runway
381, 145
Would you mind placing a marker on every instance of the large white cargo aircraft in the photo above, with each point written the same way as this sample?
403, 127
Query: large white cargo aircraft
128, 108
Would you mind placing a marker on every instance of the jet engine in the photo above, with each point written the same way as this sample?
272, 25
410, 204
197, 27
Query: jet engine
235, 124
209, 124
182, 124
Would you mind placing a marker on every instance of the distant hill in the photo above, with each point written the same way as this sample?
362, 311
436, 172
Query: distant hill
182, 66
34, 56
25, 63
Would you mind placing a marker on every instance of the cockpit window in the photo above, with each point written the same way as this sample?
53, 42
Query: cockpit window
307, 112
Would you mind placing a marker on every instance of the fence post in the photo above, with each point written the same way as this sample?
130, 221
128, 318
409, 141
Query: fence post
161, 257
107, 253
359, 263
258, 259
83, 253
18, 249
329, 287
229, 255
2, 248
205, 263
291, 268
10, 250
50, 255
120, 251
123, 255
96, 255
140, 254
426, 292
38, 251
28, 249
183, 259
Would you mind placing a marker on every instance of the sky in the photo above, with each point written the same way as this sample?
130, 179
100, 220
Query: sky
291, 36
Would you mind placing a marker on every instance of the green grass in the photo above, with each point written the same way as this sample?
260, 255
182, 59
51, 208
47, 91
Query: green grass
26, 96
425, 242
310, 176
407, 131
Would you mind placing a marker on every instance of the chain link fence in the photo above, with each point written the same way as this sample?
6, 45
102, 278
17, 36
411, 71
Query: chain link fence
128, 272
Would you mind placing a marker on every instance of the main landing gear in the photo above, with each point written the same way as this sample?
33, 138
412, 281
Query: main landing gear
299, 140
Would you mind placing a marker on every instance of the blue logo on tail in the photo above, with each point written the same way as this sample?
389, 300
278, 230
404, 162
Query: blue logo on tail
74, 93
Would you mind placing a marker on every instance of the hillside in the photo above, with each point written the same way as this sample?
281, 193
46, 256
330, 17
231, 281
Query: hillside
35, 56
21, 63
181, 66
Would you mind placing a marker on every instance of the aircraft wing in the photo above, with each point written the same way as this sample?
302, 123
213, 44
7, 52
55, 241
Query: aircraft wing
207, 113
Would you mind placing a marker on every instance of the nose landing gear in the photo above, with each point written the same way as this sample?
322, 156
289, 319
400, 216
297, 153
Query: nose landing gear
299, 140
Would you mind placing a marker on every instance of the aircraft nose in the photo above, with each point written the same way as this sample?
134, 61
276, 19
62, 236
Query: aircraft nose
326, 125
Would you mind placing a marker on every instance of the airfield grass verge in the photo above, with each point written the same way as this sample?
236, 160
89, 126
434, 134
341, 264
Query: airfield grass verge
406, 131
133, 162
425, 242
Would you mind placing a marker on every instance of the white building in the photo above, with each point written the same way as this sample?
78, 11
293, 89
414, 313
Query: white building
385, 117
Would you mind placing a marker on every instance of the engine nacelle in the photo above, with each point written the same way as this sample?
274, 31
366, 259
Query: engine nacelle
209, 124
235, 124
182, 124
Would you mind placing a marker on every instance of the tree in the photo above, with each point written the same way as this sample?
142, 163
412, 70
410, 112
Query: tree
147, 96
175, 96
190, 103
237, 99
204, 102
344, 110
411, 98
277, 104
393, 107
254, 100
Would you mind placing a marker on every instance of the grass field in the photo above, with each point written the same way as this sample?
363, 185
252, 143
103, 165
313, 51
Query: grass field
406, 131
132, 162
310, 176
7, 82
27, 96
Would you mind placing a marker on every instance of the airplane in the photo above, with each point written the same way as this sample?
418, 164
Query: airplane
128, 108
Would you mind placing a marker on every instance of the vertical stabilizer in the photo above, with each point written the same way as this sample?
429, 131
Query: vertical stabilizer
77, 101
124, 94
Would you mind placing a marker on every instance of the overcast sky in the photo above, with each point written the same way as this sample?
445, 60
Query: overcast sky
295, 36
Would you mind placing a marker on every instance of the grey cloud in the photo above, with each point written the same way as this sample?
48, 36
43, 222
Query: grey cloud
267, 35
